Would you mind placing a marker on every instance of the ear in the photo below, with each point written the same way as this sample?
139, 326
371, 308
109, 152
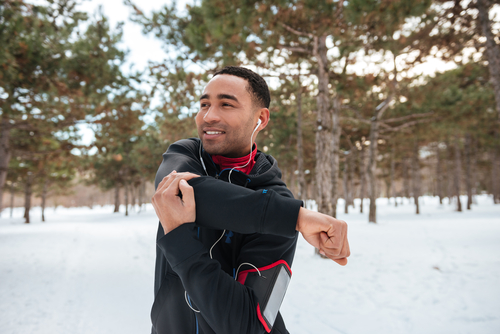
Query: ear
264, 116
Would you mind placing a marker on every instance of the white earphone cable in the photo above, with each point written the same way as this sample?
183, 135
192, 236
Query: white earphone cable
250, 157
238, 270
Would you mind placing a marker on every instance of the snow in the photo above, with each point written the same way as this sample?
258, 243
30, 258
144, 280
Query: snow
90, 271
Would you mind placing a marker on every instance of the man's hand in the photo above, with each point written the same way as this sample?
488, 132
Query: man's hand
174, 201
326, 233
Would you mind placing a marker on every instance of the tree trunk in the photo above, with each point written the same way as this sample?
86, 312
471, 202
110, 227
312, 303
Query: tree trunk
449, 173
44, 196
362, 176
351, 157
345, 186
474, 149
406, 179
12, 199
391, 189
439, 176
492, 51
371, 169
493, 56
133, 193
126, 190
5, 155
416, 176
300, 148
458, 174
495, 172
468, 171
335, 155
324, 133
143, 194
117, 198
27, 197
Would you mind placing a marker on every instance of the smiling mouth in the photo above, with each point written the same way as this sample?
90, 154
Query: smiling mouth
214, 132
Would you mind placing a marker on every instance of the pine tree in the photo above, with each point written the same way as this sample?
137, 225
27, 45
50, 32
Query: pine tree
53, 70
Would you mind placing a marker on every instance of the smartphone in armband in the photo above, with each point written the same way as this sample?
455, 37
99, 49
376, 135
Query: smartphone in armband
269, 285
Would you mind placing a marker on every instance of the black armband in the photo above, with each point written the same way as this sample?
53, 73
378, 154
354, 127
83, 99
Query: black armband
269, 284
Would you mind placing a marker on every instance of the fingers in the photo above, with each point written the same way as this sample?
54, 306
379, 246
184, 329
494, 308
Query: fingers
170, 187
172, 209
187, 193
167, 180
336, 233
334, 243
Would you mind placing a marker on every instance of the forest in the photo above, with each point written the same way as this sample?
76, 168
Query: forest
352, 113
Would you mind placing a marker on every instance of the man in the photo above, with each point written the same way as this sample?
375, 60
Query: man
227, 237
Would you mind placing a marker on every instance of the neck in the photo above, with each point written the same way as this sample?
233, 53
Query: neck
242, 164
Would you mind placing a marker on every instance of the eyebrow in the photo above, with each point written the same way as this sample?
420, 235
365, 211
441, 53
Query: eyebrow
221, 97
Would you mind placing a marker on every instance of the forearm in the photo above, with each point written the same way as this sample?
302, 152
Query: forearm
244, 210
227, 306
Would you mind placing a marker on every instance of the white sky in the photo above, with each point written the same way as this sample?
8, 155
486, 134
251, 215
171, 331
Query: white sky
141, 48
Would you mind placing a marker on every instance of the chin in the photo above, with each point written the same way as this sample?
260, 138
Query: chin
213, 149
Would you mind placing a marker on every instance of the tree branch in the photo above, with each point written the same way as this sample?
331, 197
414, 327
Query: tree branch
405, 125
294, 48
355, 119
403, 118
296, 32
381, 108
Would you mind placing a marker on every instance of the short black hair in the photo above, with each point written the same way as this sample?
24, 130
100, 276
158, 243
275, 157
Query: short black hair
257, 86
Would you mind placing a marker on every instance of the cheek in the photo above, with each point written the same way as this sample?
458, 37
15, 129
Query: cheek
198, 119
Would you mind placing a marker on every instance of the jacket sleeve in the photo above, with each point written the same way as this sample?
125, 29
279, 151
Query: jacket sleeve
226, 305
238, 209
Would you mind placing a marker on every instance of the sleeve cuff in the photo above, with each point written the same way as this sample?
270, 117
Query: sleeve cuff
284, 210
180, 244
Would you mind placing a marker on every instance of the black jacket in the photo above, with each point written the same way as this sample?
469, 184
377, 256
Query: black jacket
259, 215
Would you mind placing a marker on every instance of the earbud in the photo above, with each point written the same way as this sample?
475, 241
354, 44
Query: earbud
258, 123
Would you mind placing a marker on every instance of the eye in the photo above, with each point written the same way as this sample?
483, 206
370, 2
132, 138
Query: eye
225, 104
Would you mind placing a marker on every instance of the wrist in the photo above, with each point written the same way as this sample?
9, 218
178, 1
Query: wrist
300, 219
169, 227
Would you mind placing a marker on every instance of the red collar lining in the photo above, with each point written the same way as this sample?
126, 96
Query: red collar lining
228, 163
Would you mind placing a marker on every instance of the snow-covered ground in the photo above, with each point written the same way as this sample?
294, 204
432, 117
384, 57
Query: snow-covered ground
90, 272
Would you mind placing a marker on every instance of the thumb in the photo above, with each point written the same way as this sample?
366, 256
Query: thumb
187, 193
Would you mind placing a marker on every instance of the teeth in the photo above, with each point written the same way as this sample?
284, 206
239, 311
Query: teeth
213, 132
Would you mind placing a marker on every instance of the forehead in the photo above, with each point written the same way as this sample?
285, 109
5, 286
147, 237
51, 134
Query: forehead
227, 84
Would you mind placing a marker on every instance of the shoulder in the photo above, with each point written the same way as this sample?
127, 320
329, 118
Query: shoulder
181, 156
267, 174
184, 146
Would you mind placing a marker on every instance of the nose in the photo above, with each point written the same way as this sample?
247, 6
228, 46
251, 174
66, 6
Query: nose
212, 115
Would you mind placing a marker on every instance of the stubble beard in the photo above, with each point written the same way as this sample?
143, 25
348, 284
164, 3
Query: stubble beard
231, 147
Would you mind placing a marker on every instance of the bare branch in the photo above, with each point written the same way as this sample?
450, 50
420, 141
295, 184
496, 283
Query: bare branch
382, 124
355, 119
406, 125
381, 108
403, 118
294, 48
296, 32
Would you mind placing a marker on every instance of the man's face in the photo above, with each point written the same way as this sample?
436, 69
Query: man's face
227, 117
